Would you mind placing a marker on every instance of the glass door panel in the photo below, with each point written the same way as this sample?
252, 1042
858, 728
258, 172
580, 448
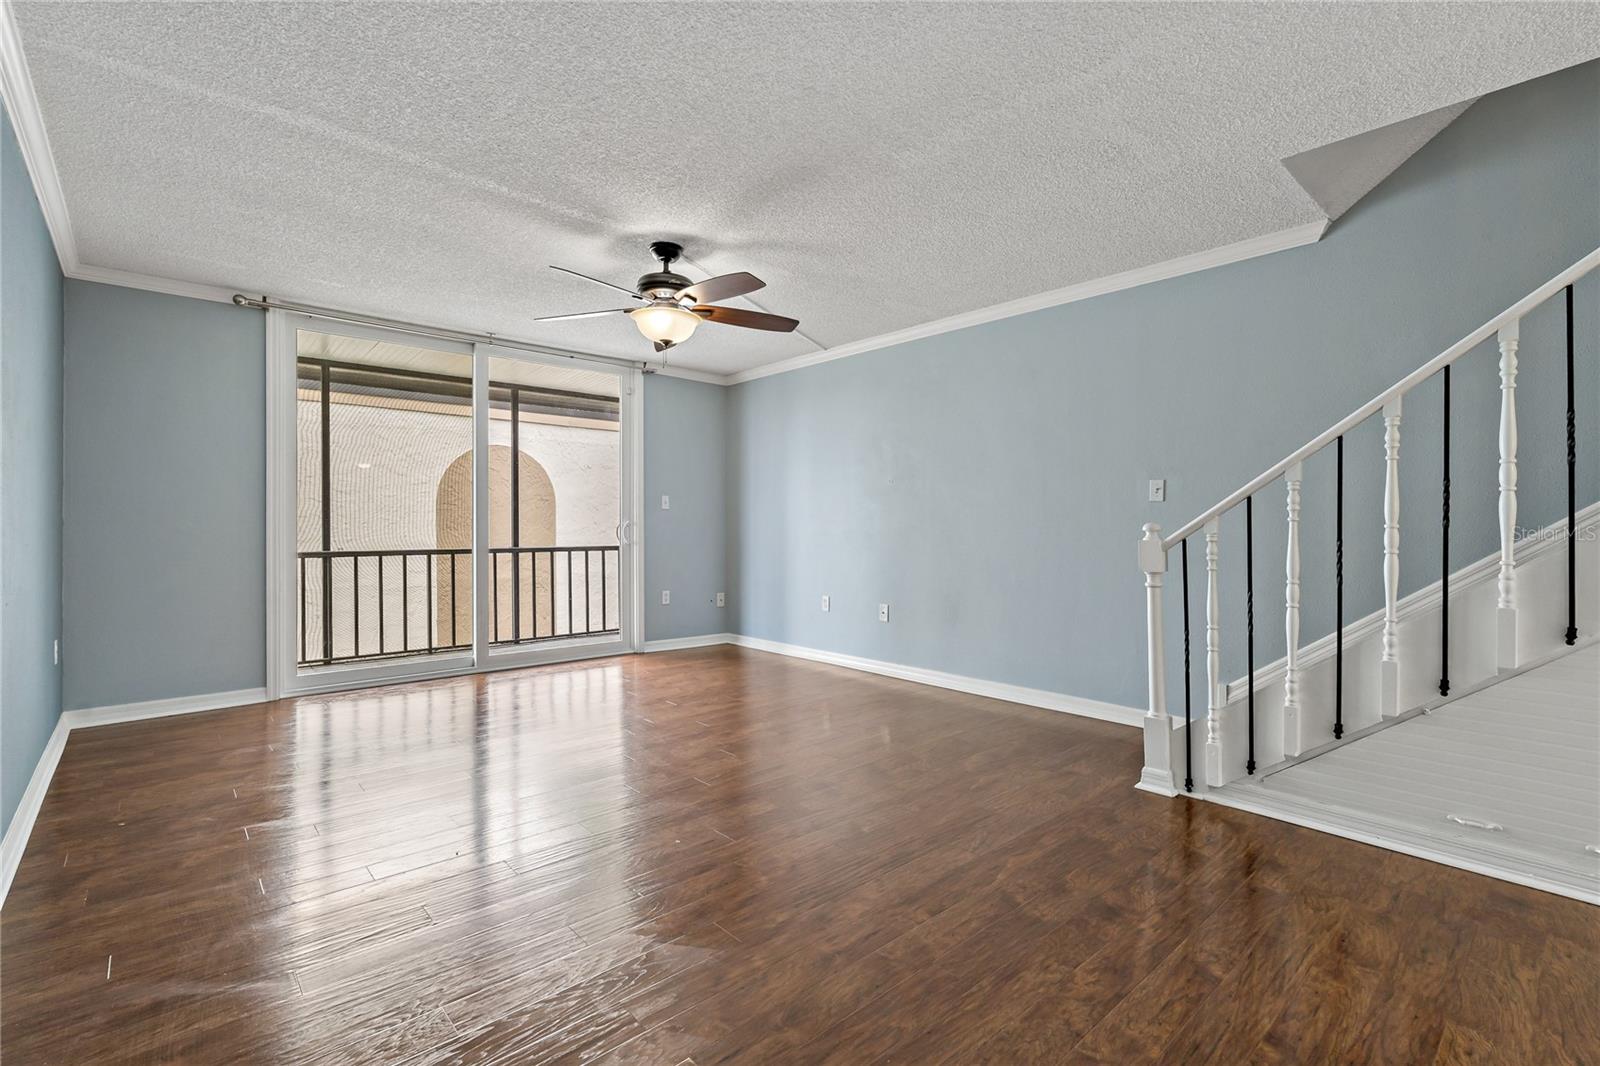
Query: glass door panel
554, 500
383, 499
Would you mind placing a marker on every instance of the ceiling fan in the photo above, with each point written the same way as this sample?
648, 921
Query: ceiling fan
673, 305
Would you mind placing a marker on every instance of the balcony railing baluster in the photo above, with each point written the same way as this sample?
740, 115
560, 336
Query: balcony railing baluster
302, 609
355, 598
436, 598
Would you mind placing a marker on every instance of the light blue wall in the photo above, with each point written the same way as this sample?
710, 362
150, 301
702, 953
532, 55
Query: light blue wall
30, 477
685, 548
165, 511
990, 483
165, 490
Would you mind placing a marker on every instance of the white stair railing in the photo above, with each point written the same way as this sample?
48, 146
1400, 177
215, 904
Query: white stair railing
1167, 743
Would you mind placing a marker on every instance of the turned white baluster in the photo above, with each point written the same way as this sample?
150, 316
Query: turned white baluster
1389, 667
1506, 601
1157, 775
1292, 743
1214, 683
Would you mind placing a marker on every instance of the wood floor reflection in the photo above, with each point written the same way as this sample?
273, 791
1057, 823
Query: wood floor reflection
722, 856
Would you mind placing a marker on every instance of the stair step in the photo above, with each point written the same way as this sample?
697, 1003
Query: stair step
1523, 753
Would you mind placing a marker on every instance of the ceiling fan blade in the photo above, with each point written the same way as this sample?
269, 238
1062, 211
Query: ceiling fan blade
738, 316
585, 314
721, 287
597, 281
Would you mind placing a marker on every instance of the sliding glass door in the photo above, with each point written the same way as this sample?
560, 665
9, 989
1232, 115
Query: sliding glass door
557, 573
436, 507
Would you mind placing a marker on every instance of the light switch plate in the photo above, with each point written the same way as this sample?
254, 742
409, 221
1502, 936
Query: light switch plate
883, 612
666, 597
1158, 490
825, 604
722, 599
666, 503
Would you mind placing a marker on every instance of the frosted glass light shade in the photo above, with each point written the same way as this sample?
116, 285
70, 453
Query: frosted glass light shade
665, 323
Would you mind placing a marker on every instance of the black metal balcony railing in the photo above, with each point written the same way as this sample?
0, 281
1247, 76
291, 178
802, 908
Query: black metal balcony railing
363, 605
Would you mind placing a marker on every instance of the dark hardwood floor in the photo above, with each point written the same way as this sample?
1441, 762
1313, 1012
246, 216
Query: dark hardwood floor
722, 856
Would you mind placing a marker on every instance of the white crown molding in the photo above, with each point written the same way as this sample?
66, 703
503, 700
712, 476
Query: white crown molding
127, 279
16, 85
1293, 237
1172, 268
705, 377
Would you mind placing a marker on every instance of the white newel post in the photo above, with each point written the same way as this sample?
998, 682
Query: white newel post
1506, 601
1292, 723
1157, 775
1389, 667
1214, 683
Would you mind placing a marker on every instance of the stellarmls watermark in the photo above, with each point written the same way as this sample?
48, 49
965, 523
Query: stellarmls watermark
1535, 534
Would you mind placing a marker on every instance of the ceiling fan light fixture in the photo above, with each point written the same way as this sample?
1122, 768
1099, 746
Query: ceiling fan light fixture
665, 323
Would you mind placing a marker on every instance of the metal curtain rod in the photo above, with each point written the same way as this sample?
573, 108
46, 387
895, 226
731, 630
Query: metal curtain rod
440, 332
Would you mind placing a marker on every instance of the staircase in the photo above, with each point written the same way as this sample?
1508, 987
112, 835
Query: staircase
1460, 723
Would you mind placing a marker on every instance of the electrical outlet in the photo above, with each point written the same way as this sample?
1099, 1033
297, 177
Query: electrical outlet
722, 599
666, 597
883, 612
1158, 490
825, 604
666, 503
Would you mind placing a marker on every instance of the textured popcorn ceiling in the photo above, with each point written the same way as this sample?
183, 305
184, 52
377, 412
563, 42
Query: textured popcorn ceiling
879, 165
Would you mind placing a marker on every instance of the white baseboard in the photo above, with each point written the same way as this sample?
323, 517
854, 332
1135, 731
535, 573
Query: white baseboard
16, 839
17, 833
89, 717
998, 690
705, 640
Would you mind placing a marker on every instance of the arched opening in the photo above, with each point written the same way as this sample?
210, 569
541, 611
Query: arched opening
536, 519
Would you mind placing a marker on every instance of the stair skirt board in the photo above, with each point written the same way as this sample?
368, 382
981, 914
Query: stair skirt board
1476, 857
1515, 766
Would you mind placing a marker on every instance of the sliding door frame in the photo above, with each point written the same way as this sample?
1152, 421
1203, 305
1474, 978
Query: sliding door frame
630, 504
283, 673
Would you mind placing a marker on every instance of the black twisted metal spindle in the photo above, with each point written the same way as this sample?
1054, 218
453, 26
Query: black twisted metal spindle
1188, 744
1338, 575
1572, 490
1444, 554
1250, 626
